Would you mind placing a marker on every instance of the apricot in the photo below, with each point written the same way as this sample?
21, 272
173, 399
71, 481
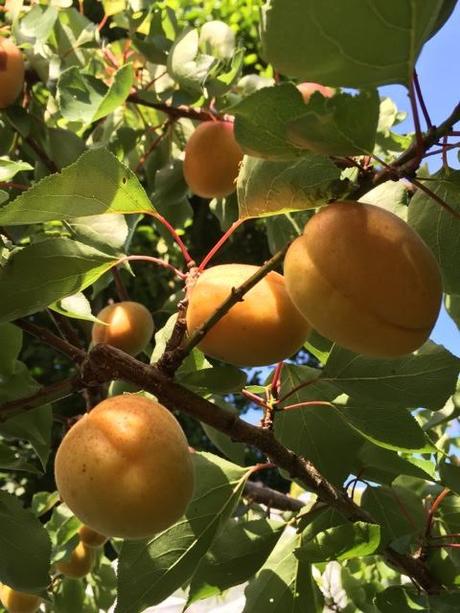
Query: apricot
90, 538
130, 327
364, 279
19, 602
11, 72
262, 329
308, 89
125, 468
79, 564
212, 159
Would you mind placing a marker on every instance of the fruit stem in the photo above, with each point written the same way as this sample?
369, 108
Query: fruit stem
276, 381
254, 398
418, 91
158, 261
310, 403
236, 224
176, 237
434, 507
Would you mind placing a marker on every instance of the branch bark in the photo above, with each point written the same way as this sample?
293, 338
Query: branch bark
271, 498
105, 363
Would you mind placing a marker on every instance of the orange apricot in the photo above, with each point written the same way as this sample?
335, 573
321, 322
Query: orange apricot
19, 602
129, 327
125, 468
262, 329
91, 538
11, 72
364, 279
308, 89
212, 159
79, 564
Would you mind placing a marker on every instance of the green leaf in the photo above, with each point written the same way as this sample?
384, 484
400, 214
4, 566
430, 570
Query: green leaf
313, 431
399, 512
103, 581
262, 119
108, 187
186, 65
269, 187
216, 380
106, 232
76, 306
69, 596
40, 274
452, 303
11, 343
450, 476
65, 147
284, 228
383, 424
284, 583
401, 599
11, 460
423, 379
236, 452
341, 543
234, 557
9, 168
341, 125
391, 195
25, 546
339, 44
87, 99
149, 571
438, 227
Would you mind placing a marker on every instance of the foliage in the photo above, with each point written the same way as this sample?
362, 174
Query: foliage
94, 208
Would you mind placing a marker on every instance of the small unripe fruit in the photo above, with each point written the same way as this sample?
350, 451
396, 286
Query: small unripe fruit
125, 468
364, 279
212, 159
130, 327
308, 89
19, 602
79, 564
91, 538
11, 72
264, 328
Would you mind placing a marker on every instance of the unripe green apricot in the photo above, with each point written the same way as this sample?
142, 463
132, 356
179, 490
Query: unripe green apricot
364, 279
11, 72
212, 158
263, 328
124, 469
19, 602
130, 327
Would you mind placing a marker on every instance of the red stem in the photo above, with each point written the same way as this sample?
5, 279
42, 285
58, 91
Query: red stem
418, 91
310, 403
102, 22
152, 147
276, 381
256, 399
10, 185
445, 163
415, 115
176, 237
434, 507
236, 224
445, 536
158, 261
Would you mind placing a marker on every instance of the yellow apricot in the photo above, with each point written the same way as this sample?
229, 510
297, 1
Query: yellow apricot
130, 327
19, 602
11, 72
125, 468
262, 329
212, 159
364, 279
79, 564
91, 538
308, 89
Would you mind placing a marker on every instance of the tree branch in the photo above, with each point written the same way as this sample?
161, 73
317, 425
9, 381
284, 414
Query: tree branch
271, 498
173, 112
74, 353
105, 363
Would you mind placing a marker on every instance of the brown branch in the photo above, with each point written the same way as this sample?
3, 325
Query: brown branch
418, 91
173, 111
176, 357
74, 353
105, 363
271, 498
51, 393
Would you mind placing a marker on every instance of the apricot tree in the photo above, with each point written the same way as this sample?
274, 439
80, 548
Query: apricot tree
221, 263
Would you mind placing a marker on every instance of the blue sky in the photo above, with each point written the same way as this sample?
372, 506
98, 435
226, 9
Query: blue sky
439, 75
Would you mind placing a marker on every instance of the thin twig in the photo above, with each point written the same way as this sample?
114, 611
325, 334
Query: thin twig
121, 290
173, 111
74, 353
418, 130
187, 257
152, 260
418, 91
433, 509
236, 224
271, 498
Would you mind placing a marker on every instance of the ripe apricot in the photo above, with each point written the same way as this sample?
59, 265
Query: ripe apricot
91, 538
19, 602
130, 327
308, 89
262, 329
79, 564
11, 72
364, 279
212, 159
125, 468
